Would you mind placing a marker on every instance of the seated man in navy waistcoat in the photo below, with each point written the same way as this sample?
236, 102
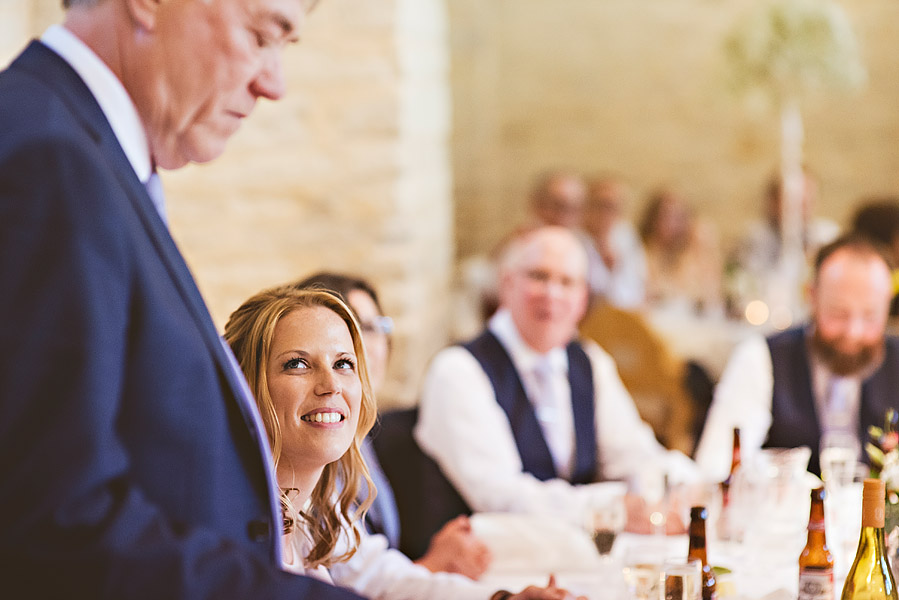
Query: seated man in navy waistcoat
528, 418
829, 379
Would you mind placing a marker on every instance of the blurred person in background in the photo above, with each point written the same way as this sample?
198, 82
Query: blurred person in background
683, 259
557, 198
834, 376
304, 358
617, 267
753, 266
528, 418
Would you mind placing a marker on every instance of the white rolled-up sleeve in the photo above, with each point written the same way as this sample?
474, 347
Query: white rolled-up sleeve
382, 573
627, 445
742, 399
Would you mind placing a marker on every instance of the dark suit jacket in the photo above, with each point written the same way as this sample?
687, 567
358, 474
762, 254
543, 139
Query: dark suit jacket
127, 466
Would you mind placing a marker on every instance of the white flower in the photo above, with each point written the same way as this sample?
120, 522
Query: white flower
786, 48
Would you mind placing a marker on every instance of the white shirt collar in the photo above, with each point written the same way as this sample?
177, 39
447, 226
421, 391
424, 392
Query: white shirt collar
523, 356
109, 93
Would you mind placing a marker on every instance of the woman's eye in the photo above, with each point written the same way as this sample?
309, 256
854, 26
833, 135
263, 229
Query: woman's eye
345, 363
295, 363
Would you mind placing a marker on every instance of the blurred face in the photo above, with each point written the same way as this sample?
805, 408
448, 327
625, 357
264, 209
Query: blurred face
315, 387
207, 62
562, 202
544, 288
376, 339
604, 207
672, 221
851, 301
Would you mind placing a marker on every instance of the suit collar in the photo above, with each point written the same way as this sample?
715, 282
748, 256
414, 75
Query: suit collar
109, 93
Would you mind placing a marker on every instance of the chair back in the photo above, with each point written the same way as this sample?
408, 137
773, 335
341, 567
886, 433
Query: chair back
653, 376
426, 500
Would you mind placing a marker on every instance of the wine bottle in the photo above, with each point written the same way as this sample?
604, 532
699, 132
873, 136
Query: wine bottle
816, 560
697, 551
870, 577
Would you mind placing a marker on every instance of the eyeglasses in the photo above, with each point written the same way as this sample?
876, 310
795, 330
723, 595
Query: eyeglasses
380, 325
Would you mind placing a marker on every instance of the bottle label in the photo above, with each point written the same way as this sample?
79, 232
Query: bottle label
816, 584
816, 525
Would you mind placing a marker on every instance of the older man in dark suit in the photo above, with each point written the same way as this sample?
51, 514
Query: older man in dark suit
131, 459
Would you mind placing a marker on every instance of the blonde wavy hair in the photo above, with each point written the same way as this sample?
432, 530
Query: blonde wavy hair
250, 331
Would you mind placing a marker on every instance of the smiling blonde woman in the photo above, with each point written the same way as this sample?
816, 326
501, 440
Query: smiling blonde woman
302, 354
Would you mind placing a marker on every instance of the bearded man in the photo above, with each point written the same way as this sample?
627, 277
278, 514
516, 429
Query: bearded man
832, 378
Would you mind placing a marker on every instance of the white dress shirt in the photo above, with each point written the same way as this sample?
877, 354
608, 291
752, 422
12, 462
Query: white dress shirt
743, 399
382, 573
465, 430
624, 285
110, 94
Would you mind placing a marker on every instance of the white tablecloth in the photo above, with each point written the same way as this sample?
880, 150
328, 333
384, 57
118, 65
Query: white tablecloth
527, 549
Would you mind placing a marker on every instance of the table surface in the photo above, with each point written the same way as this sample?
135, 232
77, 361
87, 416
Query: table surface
527, 549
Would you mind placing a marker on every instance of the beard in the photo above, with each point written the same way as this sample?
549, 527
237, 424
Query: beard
842, 363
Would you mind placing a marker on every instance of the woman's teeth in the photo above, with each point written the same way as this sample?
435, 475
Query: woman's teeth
328, 417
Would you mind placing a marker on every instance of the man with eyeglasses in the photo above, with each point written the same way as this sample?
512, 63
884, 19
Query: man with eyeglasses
827, 380
527, 417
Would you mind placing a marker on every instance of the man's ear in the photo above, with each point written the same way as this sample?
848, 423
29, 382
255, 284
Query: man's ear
143, 12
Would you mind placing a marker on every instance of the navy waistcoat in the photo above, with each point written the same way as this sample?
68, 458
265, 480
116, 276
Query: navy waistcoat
536, 458
794, 418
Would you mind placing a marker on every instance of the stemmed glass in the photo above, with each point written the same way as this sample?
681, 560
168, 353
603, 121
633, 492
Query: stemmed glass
606, 516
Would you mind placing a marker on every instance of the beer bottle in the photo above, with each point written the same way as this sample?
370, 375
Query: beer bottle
870, 577
725, 525
697, 551
816, 560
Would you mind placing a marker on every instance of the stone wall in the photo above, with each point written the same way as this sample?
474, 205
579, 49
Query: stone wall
638, 87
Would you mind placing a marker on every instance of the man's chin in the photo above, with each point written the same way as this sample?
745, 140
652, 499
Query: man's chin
175, 158
848, 363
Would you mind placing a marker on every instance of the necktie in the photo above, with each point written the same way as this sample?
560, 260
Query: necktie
546, 405
153, 186
840, 419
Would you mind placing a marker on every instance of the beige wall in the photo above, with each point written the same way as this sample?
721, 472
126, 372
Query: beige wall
637, 87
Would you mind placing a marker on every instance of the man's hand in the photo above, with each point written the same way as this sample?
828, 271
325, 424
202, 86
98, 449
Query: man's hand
456, 549
550, 592
639, 517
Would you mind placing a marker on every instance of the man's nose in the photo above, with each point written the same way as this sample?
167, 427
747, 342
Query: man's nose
269, 82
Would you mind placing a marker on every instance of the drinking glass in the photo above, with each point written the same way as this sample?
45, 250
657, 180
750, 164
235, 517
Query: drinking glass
642, 571
839, 458
606, 517
681, 580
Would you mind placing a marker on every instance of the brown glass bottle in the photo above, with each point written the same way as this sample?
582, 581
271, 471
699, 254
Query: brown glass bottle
697, 551
734, 465
725, 527
816, 560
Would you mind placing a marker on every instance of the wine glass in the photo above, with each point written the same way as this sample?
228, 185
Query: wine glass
606, 517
